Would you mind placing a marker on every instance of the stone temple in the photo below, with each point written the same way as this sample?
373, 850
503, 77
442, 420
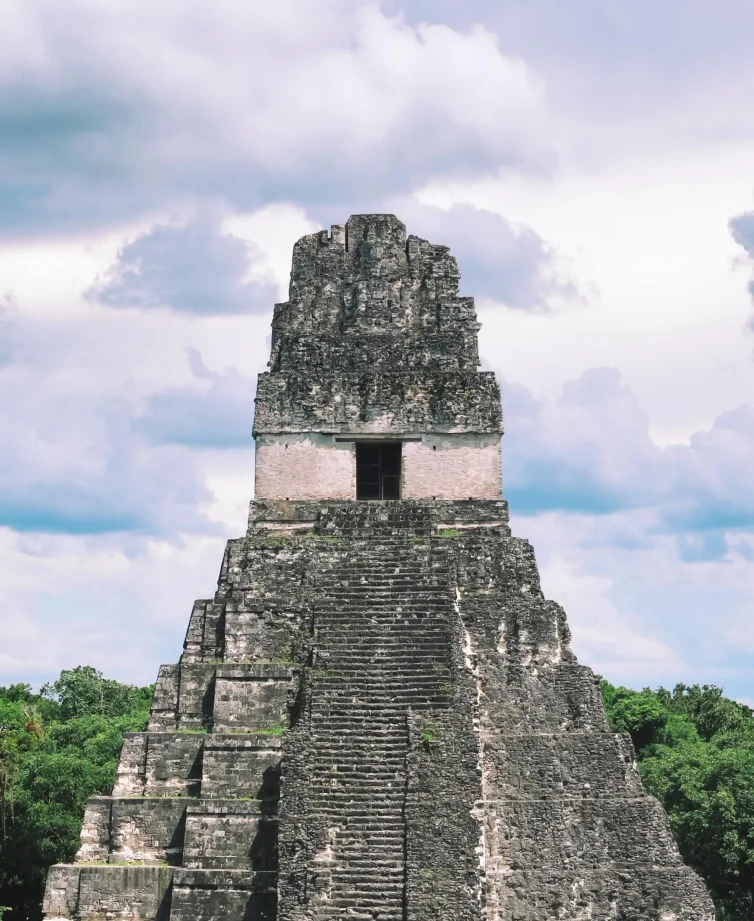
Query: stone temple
377, 716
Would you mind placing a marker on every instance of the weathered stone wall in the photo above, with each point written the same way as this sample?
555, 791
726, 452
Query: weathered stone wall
452, 467
125, 829
108, 893
304, 467
372, 403
447, 756
378, 716
317, 467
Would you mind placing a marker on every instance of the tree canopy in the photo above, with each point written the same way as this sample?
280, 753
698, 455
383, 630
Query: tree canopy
57, 748
695, 751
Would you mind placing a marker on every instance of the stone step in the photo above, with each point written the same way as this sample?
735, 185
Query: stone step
359, 708
384, 706
388, 797
357, 890
358, 800
364, 861
380, 660
347, 772
388, 641
334, 604
372, 902
352, 722
422, 577
369, 758
357, 863
357, 914
359, 851
360, 744
379, 687
363, 739
397, 616
419, 585
361, 884
330, 781
380, 727
361, 716
377, 671
372, 840
358, 821
396, 754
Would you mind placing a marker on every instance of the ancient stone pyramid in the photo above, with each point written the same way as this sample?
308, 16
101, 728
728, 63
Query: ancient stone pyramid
378, 716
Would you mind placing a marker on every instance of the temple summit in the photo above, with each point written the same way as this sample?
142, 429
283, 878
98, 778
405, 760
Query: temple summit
377, 716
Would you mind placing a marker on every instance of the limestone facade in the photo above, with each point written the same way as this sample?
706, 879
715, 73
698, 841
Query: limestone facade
378, 715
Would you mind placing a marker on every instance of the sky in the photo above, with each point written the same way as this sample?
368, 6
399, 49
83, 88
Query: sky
591, 166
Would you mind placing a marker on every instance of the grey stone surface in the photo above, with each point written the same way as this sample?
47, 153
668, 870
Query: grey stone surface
378, 716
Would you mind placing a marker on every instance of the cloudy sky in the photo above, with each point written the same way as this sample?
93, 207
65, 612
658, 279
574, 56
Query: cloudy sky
590, 164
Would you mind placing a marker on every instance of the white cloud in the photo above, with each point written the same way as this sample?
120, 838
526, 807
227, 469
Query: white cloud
70, 601
111, 112
640, 614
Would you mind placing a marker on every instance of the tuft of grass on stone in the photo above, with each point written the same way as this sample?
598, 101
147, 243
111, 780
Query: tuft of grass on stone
428, 733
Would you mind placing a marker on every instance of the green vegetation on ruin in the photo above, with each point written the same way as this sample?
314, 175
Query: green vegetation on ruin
428, 733
57, 748
695, 751
273, 540
449, 532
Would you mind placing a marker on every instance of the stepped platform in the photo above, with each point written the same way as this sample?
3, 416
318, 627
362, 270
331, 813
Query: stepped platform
378, 715
433, 704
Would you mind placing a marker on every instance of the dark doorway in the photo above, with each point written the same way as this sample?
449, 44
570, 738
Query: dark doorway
378, 471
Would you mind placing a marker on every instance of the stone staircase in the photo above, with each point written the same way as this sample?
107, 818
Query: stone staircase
382, 635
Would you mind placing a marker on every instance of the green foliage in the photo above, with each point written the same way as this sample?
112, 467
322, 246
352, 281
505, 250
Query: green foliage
428, 733
695, 751
83, 691
57, 748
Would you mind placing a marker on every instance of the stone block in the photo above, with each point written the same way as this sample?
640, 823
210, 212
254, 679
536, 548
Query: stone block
378, 403
241, 766
131, 765
195, 695
147, 829
639, 894
573, 764
224, 895
95, 831
160, 763
108, 893
249, 697
174, 763
61, 896
582, 833
262, 629
231, 834
558, 698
